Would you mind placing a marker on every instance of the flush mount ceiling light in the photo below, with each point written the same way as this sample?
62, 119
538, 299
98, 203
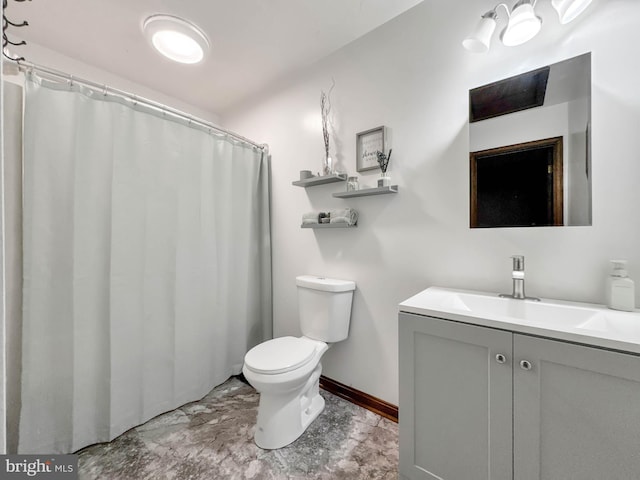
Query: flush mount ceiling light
522, 23
176, 38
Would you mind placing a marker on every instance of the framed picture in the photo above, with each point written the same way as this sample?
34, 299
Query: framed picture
367, 144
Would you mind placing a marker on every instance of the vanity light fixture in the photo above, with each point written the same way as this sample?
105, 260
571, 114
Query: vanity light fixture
176, 38
522, 23
480, 40
569, 9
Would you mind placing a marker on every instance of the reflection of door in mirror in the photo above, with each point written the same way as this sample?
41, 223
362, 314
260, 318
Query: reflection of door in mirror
518, 185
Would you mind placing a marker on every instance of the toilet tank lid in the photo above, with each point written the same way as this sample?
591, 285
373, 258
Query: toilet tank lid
325, 284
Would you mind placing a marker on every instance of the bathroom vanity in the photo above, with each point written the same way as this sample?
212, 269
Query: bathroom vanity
495, 388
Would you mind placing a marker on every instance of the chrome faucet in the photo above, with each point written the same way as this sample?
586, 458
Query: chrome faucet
518, 280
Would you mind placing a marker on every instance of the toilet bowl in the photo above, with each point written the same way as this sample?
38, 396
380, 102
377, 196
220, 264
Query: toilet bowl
286, 370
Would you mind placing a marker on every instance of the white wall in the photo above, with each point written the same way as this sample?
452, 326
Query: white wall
520, 127
579, 185
412, 75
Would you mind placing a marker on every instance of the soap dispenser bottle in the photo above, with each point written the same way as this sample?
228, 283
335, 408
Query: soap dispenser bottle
620, 288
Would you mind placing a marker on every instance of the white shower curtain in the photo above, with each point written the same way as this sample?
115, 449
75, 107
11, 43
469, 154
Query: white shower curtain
147, 269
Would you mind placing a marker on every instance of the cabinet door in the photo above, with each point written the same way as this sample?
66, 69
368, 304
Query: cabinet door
455, 401
576, 412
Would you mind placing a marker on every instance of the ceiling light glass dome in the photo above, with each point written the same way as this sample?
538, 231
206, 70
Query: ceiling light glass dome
568, 10
480, 40
523, 24
176, 38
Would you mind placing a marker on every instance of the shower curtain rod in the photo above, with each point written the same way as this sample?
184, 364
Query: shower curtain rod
28, 66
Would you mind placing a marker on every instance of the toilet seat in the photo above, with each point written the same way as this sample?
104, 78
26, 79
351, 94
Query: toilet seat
280, 355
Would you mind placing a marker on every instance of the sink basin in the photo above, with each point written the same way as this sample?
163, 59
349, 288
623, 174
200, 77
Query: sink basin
494, 307
614, 323
583, 323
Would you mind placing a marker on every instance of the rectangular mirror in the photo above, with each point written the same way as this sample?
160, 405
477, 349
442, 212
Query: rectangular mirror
529, 143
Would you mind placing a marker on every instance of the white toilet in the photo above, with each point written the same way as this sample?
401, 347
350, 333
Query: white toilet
285, 371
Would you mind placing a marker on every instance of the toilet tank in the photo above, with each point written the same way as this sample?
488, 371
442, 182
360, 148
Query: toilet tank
324, 306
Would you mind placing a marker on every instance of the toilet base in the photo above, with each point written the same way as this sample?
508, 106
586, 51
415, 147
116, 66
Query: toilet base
282, 418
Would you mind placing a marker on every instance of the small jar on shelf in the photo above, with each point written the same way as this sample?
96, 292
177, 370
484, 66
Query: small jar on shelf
352, 184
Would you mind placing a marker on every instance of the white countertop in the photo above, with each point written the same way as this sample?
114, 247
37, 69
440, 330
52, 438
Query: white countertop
585, 323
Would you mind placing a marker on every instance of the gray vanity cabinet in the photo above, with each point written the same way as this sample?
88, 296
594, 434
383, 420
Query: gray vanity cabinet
480, 403
576, 412
455, 403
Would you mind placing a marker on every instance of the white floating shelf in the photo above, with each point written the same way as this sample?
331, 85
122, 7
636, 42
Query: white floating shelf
365, 192
310, 182
328, 225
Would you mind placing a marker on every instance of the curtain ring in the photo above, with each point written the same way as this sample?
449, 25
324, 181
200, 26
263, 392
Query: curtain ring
135, 100
70, 81
104, 90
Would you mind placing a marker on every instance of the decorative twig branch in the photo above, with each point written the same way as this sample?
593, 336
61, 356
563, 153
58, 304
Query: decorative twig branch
325, 110
383, 160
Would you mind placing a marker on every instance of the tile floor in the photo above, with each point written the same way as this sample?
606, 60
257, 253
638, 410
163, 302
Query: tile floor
212, 439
